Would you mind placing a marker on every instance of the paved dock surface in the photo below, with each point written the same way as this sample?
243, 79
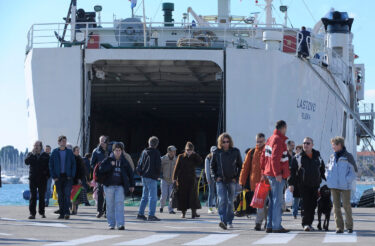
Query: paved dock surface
86, 229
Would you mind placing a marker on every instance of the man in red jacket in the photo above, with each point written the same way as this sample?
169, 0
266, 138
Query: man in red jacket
275, 168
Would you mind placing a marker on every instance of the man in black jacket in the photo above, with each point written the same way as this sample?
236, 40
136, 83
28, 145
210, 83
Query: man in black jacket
306, 173
149, 167
99, 154
38, 176
226, 167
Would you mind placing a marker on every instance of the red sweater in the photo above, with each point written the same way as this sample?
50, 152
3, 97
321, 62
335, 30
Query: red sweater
274, 160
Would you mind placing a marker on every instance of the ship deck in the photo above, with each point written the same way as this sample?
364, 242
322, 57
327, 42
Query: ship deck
86, 229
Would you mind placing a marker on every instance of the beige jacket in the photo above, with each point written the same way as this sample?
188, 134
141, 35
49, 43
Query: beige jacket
167, 167
129, 159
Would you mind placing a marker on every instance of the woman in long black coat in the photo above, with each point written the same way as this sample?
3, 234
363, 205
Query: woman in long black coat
185, 178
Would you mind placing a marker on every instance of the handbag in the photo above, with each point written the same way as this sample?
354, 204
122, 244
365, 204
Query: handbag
174, 196
76, 189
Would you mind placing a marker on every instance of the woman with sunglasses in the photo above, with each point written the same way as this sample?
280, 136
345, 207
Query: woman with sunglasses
185, 179
226, 166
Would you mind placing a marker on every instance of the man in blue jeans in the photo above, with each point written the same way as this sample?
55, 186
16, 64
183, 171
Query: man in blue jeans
99, 154
275, 168
149, 167
62, 166
275, 206
226, 167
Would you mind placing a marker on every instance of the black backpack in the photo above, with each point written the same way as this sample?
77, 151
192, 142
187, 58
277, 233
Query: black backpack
143, 163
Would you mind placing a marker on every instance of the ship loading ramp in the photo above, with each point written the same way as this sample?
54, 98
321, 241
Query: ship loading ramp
175, 100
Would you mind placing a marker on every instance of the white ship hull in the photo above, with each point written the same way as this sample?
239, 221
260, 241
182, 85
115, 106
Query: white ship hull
261, 87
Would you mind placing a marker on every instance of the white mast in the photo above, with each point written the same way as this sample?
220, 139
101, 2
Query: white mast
73, 21
269, 18
223, 16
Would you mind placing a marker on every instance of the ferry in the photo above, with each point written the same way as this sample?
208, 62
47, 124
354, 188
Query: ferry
192, 80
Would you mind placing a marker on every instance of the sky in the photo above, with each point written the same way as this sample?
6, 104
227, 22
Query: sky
18, 16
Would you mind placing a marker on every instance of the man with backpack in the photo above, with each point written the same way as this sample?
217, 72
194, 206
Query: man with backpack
98, 155
307, 171
251, 171
149, 167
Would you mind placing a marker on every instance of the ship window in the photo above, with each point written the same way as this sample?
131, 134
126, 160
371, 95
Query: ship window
337, 51
241, 34
171, 43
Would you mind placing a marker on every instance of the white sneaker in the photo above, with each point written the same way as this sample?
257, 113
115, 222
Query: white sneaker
306, 228
230, 226
210, 210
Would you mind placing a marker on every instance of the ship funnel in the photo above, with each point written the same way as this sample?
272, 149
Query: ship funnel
338, 36
337, 22
168, 8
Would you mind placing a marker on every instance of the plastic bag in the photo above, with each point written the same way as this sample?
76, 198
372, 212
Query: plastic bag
288, 197
54, 195
260, 194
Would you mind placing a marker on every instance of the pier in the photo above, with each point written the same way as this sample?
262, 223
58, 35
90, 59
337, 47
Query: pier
86, 229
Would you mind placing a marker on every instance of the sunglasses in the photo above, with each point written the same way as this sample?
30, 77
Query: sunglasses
307, 143
189, 150
225, 142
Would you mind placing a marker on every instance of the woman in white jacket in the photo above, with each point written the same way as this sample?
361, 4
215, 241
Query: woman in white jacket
340, 175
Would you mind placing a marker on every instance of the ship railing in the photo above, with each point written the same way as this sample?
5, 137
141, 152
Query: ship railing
181, 35
157, 35
320, 54
43, 35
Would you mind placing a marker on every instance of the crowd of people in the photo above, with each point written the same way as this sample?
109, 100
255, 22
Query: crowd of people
109, 170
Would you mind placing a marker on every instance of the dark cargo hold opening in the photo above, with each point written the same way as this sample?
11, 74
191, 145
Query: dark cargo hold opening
177, 101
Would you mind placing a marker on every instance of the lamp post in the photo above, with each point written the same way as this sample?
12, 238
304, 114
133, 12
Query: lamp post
284, 9
98, 10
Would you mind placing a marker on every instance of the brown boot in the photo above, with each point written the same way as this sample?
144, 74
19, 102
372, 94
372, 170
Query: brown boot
194, 214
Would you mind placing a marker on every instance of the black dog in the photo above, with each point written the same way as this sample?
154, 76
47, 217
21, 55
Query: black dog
324, 206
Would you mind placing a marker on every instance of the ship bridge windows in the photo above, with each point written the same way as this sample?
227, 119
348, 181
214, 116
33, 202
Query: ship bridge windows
177, 101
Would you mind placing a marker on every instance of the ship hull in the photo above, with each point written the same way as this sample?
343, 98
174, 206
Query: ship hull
259, 88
